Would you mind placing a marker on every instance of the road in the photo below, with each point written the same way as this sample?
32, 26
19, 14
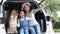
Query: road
57, 33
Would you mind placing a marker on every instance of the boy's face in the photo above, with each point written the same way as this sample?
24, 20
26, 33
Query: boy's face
14, 12
22, 14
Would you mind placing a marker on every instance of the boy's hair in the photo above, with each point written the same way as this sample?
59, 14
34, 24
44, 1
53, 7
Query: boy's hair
12, 11
15, 11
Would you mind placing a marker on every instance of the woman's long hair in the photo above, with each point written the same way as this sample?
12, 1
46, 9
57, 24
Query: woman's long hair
23, 8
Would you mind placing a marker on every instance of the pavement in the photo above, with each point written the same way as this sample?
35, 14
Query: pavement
57, 33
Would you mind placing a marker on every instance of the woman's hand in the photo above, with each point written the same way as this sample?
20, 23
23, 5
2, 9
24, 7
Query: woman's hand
43, 6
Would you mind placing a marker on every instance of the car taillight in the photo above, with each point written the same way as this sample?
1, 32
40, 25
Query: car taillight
49, 18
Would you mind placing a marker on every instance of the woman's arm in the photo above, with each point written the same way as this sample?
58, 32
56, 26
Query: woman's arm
43, 6
29, 18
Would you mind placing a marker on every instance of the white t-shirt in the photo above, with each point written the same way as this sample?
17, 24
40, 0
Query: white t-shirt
32, 16
13, 22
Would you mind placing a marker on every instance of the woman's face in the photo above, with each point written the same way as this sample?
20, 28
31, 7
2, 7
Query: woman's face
27, 8
13, 13
22, 14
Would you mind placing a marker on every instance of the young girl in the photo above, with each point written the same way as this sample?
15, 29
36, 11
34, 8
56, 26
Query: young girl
23, 23
13, 22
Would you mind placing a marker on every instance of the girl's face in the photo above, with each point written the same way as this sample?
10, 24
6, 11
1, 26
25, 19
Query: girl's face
22, 14
27, 8
13, 13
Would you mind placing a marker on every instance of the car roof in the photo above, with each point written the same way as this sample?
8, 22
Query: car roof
20, 0
18, 3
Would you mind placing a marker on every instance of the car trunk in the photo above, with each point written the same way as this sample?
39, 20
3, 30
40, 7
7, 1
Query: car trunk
9, 5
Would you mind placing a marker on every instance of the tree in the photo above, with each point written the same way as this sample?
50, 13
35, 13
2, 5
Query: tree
53, 8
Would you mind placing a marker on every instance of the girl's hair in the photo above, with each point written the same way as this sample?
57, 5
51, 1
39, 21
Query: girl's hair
27, 5
23, 11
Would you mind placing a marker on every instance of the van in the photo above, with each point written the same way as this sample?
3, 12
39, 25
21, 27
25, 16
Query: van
43, 18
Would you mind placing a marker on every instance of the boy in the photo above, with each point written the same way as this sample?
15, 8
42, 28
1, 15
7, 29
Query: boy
13, 22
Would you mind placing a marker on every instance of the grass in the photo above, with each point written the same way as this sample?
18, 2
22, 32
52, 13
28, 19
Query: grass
56, 30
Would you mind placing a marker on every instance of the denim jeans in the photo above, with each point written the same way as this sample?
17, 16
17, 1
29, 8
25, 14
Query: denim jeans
32, 30
24, 31
37, 29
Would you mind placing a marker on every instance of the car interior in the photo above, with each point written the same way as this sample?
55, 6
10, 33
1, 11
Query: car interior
40, 17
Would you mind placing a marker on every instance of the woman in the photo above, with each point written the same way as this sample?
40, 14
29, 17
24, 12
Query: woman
30, 13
